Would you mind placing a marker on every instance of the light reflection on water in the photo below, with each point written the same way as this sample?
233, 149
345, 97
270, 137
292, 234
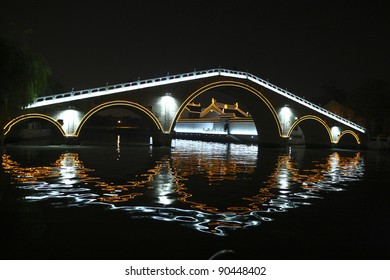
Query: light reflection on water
211, 187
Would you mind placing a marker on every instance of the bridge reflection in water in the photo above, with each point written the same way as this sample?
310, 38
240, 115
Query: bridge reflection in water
211, 187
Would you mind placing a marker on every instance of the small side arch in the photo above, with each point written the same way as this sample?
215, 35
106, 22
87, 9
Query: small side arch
119, 103
311, 135
351, 133
10, 124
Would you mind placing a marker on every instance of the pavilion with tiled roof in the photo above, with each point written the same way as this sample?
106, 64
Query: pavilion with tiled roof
223, 110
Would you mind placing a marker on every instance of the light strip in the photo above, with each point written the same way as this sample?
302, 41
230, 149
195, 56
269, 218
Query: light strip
170, 79
14, 121
311, 117
349, 132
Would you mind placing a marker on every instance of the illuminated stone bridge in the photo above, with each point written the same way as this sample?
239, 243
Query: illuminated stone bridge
160, 101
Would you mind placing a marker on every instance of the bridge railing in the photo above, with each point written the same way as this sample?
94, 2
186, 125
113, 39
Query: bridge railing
286, 93
307, 103
168, 79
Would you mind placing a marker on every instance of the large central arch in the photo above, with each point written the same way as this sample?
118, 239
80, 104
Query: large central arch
266, 119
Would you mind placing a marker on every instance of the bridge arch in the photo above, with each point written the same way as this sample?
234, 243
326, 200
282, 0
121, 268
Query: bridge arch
269, 125
7, 128
124, 103
345, 132
348, 138
316, 131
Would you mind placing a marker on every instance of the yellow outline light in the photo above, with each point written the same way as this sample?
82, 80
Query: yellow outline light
201, 90
14, 121
348, 131
117, 103
311, 117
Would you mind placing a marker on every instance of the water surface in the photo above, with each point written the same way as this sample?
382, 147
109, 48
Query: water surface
118, 201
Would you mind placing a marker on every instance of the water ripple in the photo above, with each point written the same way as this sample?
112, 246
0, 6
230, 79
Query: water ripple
213, 188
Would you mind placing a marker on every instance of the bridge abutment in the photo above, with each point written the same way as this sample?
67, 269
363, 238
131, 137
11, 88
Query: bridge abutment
162, 140
2, 137
72, 140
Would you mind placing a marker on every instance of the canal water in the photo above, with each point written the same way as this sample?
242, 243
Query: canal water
129, 201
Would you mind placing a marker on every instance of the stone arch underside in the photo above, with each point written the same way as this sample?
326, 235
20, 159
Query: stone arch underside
8, 127
348, 139
144, 112
315, 131
152, 121
262, 111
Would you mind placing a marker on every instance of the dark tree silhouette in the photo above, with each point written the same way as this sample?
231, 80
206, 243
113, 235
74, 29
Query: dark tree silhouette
24, 75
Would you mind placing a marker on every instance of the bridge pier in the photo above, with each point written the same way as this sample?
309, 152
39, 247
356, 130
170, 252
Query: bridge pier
284, 143
272, 142
162, 140
2, 137
71, 140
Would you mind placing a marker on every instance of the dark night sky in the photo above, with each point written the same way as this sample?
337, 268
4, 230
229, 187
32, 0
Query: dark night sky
300, 45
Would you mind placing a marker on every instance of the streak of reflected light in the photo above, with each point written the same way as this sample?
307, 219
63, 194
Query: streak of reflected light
163, 192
